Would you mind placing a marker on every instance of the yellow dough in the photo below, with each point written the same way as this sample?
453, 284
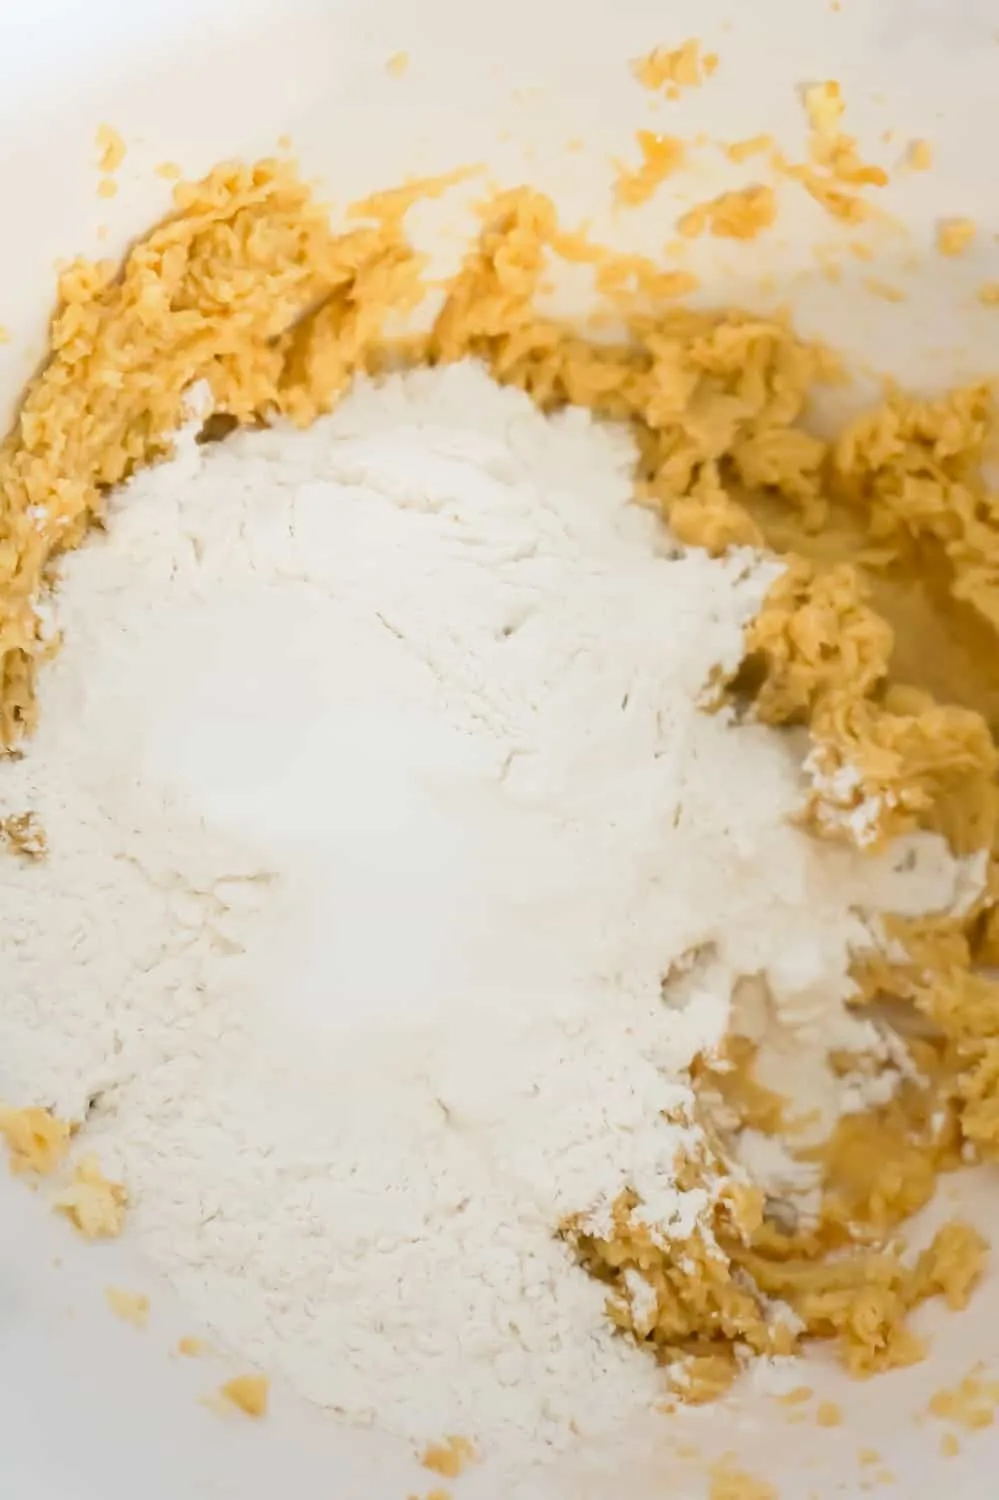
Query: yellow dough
880, 638
92, 1203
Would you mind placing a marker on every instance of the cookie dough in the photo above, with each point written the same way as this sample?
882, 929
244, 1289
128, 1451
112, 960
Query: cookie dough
879, 639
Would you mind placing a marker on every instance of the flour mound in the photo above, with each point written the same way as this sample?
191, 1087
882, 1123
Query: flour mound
380, 806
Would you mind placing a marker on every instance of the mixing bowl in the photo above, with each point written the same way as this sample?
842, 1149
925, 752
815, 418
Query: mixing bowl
367, 93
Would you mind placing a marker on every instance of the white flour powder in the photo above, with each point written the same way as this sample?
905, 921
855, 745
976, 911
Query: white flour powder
379, 805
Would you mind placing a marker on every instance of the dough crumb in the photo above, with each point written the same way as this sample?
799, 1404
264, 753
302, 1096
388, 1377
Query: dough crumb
131, 1307
170, 171
954, 236
831, 148
738, 215
970, 1404
754, 145
107, 188
824, 107
662, 155
988, 294
828, 1414
397, 64
848, 208
949, 1445
450, 1458
250, 1393
835, 163
36, 1140
24, 835
390, 206
682, 67
92, 1203
110, 148
920, 156
701, 1378
191, 1347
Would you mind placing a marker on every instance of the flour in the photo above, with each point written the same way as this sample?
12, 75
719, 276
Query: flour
379, 806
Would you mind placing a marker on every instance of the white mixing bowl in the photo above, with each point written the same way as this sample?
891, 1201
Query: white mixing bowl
537, 91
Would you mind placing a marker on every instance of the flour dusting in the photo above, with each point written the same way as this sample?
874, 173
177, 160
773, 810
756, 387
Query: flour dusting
395, 878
